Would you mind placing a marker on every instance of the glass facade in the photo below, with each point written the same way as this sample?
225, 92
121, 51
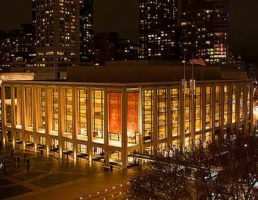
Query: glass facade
248, 89
18, 107
241, 104
54, 97
174, 107
98, 115
234, 104
148, 115
68, 110
198, 110
217, 105
187, 114
208, 119
94, 117
225, 104
28, 108
162, 113
8, 106
41, 108
82, 111
82, 149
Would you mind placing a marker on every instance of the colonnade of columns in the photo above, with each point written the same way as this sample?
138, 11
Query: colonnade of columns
124, 148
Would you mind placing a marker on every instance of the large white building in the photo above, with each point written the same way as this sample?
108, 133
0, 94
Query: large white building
116, 110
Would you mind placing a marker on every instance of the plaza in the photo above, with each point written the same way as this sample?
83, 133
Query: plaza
52, 178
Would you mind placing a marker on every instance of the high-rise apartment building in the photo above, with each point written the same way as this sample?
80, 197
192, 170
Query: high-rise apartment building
86, 30
205, 27
9, 47
17, 47
157, 29
57, 32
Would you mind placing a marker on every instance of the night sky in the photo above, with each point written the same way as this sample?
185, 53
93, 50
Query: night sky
120, 16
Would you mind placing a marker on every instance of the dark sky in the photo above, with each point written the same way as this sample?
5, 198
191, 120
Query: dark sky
244, 21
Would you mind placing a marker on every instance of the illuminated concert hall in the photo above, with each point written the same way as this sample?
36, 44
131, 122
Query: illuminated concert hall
108, 113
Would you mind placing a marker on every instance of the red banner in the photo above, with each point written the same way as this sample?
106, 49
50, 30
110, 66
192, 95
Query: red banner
132, 112
114, 113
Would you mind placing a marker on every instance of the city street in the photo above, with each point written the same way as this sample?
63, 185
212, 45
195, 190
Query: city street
52, 178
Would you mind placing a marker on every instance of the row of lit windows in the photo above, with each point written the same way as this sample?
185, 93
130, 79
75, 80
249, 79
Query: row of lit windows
228, 102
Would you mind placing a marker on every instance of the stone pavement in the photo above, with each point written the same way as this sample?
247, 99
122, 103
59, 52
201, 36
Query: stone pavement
50, 178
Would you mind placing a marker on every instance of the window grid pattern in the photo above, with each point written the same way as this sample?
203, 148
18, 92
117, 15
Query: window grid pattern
226, 111
198, 110
82, 99
208, 120
148, 115
42, 108
217, 105
174, 101
68, 110
162, 113
98, 113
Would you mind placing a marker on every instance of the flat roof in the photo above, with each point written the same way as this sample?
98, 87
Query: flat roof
139, 72
151, 71
106, 85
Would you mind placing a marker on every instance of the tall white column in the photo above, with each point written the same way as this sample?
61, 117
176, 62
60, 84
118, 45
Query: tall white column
169, 119
3, 109
222, 109
60, 121
203, 110
237, 111
251, 108
182, 97
74, 121
124, 129
106, 138
35, 115
140, 120
13, 133
230, 93
89, 131
48, 118
245, 109
155, 122
213, 107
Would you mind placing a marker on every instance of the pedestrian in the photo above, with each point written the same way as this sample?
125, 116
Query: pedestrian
24, 158
28, 164
14, 162
4, 167
18, 161
12, 152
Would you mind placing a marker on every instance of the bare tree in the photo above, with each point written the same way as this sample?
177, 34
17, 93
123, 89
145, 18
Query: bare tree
161, 180
226, 170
